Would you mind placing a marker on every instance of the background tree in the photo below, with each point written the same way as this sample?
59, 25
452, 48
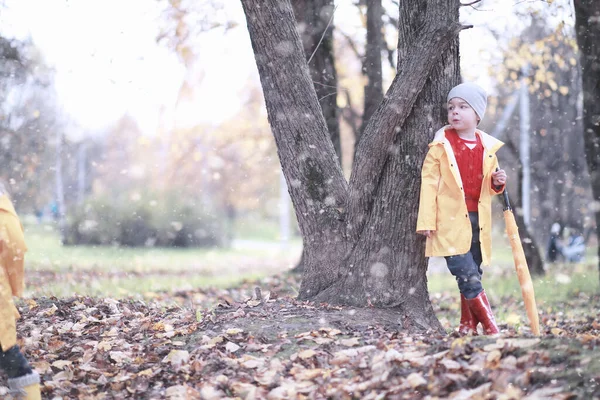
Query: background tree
372, 63
587, 26
27, 117
544, 61
316, 26
359, 105
360, 244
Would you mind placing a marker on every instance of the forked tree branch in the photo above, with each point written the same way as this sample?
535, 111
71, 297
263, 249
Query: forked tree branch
389, 119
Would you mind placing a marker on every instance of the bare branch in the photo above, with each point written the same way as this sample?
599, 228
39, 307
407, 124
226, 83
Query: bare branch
327, 95
470, 4
352, 45
390, 57
322, 36
532, 1
349, 115
323, 85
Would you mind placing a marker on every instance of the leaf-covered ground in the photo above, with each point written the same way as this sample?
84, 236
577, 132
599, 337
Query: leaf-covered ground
238, 343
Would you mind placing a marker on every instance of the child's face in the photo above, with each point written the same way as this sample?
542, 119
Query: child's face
461, 116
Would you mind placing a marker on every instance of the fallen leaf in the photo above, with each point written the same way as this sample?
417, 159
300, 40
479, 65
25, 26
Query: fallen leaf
49, 312
557, 331
322, 340
231, 347
251, 364
306, 354
350, 342
266, 378
146, 372
119, 357
61, 363
216, 340
415, 380
493, 358
450, 364
177, 357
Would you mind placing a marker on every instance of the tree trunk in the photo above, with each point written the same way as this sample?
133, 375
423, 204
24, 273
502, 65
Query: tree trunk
313, 174
587, 25
314, 19
372, 63
360, 247
387, 266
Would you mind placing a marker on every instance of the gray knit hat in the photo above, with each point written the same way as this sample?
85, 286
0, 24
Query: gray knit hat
472, 94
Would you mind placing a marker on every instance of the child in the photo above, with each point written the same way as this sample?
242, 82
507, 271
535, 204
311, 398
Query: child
459, 177
22, 380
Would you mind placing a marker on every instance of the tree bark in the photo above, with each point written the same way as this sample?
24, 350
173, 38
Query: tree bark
587, 25
315, 21
313, 174
360, 247
387, 266
372, 63
420, 50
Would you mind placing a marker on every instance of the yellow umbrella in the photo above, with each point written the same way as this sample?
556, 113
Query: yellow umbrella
521, 266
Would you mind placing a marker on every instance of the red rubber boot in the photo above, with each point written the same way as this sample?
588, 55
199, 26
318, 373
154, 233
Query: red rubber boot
468, 324
481, 310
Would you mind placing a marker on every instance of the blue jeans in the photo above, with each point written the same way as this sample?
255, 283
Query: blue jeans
13, 363
467, 267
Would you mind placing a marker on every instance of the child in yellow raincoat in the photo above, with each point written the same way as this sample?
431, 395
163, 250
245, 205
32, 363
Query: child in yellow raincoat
460, 175
23, 382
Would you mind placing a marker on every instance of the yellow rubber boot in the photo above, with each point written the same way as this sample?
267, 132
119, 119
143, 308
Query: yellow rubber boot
26, 387
32, 392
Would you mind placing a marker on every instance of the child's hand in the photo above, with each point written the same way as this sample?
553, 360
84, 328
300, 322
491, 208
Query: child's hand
499, 177
427, 233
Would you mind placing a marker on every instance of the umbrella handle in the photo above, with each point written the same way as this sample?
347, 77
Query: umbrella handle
504, 197
506, 201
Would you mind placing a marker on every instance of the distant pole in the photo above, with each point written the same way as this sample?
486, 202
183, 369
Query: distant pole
60, 192
284, 212
506, 114
524, 146
81, 172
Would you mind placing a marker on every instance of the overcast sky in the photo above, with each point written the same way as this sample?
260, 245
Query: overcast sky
107, 60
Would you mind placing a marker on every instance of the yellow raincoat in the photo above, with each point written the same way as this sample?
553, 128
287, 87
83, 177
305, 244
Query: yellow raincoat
12, 252
442, 206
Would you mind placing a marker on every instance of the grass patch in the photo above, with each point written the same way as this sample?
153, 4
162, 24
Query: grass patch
561, 282
46, 252
256, 228
122, 272
141, 287
53, 269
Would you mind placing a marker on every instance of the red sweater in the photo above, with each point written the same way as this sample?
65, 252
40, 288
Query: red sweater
470, 165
